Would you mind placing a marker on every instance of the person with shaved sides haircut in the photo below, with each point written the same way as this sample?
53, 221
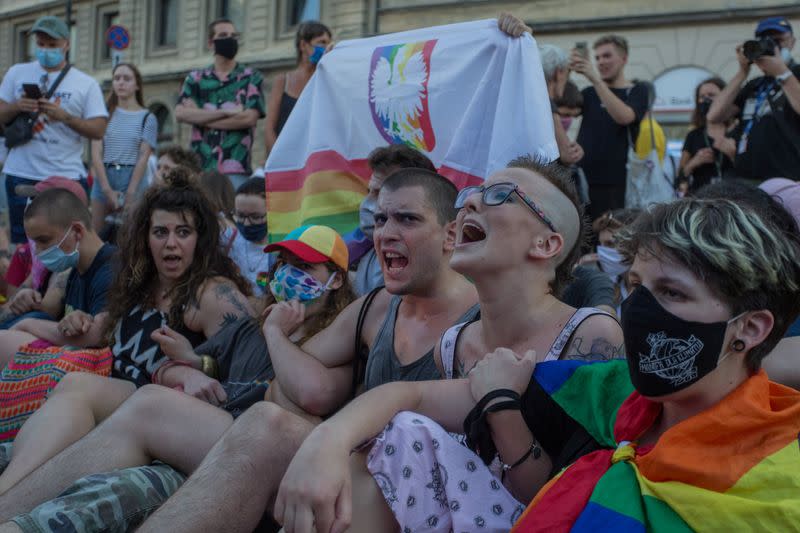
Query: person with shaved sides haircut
59, 225
517, 238
396, 330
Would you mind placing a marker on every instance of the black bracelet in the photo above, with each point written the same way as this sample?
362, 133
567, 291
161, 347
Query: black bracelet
534, 450
497, 393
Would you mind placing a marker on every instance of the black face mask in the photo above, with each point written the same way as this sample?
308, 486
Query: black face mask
666, 353
703, 106
226, 47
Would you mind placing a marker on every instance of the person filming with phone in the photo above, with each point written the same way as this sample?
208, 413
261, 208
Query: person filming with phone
612, 110
48, 108
768, 107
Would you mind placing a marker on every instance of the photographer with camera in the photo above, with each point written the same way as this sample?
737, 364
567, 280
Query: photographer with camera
768, 107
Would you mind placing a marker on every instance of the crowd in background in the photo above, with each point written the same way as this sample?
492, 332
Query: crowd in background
485, 361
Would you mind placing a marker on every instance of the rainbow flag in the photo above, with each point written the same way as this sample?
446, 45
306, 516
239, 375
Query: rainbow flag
466, 95
733, 467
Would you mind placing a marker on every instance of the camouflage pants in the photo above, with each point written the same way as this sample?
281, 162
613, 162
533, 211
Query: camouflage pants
113, 502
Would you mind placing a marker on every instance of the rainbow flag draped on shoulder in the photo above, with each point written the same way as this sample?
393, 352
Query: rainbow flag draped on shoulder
733, 467
466, 95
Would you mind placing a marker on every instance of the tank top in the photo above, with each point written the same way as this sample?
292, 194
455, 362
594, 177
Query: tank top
447, 348
136, 355
285, 109
382, 363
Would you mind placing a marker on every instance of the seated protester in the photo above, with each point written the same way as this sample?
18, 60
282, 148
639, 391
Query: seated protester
247, 250
221, 195
607, 258
59, 224
162, 281
28, 275
311, 257
782, 365
383, 162
399, 326
172, 157
591, 288
665, 429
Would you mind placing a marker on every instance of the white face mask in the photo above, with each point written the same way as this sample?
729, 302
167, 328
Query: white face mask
786, 55
611, 262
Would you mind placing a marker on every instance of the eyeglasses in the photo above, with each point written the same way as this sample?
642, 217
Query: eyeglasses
498, 194
250, 218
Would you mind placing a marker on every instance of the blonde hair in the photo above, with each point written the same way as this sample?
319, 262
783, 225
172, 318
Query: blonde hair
746, 260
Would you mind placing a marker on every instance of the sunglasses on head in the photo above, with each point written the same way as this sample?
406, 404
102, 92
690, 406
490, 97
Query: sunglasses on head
498, 194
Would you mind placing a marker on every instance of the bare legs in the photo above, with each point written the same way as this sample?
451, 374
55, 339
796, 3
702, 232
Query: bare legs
77, 404
10, 341
155, 423
238, 480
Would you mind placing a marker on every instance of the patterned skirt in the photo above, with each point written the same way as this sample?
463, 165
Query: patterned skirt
35, 371
434, 483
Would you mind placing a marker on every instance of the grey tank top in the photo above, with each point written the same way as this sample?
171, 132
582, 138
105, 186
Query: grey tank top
383, 365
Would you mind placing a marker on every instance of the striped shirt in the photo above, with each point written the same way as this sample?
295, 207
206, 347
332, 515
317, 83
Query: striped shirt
125, 135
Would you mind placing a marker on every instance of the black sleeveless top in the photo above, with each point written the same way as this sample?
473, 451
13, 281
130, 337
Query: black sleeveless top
136, 355
285, 109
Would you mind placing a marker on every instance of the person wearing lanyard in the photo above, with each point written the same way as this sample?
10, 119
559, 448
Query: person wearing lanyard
707, 151
768, 107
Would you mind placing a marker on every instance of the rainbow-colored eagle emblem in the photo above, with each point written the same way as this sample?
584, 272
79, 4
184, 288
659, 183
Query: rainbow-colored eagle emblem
398, 94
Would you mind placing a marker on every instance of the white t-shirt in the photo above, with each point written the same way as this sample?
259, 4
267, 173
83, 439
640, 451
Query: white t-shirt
55, 149
252, 261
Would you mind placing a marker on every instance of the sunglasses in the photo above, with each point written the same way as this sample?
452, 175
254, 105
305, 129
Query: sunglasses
498, 194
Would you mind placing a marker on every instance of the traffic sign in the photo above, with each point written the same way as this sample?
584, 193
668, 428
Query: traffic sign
117, 37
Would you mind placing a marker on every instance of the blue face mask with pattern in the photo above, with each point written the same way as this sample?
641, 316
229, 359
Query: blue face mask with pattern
291, 283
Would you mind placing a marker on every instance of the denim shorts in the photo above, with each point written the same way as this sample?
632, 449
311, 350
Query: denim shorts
118, 178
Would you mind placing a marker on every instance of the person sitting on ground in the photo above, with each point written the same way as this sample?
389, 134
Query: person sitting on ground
221, 195
247, 249
238, 357
666, 432
59, 224
398, 325
36, 294
383, 162
607, 258
172, 157
163, 280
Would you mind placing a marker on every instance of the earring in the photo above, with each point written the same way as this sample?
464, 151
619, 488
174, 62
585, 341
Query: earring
738, 345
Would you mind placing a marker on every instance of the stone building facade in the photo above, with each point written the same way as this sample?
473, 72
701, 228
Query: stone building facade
673, 43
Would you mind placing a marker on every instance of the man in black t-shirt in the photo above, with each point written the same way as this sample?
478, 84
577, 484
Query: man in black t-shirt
612, 110
768, 108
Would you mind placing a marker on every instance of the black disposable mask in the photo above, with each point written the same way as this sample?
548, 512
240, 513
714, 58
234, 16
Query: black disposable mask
666, 353
226, 47
703, 106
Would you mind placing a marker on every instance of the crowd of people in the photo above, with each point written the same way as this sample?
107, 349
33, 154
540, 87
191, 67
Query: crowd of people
484, 360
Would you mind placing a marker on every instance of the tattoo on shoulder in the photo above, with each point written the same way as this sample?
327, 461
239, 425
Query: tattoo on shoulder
227, 293
595, 349
228, 319
462, 370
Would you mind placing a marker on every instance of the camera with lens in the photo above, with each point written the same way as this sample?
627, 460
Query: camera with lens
764, 46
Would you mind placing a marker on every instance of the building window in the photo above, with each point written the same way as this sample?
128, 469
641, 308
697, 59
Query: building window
25, 44
297, 11
165, 126
107, 16
233, 10
164, 23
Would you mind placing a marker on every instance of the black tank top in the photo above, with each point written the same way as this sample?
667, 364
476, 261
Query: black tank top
136, 355
287, 104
